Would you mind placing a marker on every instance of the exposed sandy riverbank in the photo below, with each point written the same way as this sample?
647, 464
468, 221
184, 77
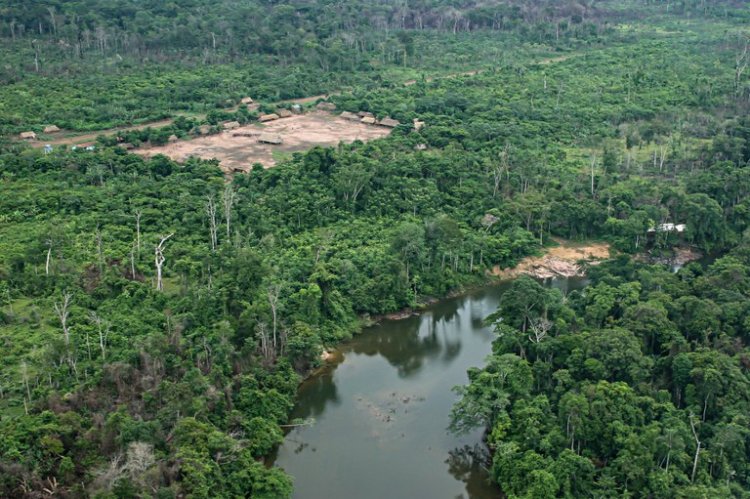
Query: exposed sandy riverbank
565, 260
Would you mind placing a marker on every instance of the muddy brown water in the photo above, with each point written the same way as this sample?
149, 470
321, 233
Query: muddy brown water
379, 413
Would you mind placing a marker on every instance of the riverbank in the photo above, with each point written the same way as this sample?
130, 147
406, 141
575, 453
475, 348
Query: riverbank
568, 259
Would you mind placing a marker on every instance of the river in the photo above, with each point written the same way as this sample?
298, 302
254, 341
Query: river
379, 413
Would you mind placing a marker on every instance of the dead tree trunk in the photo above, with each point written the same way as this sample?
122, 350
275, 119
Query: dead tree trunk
49, 255
137, 216
697, 448
159, 260
741, 61
227, 201
211, 213
96, 319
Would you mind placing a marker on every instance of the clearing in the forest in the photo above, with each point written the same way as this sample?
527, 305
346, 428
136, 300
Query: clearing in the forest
237, 150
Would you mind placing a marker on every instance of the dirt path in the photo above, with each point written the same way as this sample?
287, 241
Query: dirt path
91, 136
559, 261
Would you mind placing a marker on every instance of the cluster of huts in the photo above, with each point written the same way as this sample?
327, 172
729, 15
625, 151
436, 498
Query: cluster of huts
49, 129
369, 119
266, 138
33, 136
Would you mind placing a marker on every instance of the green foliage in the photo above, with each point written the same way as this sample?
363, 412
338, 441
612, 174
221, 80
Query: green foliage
602, 120
609, 411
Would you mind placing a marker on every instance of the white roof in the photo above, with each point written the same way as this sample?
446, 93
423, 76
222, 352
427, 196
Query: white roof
669, 227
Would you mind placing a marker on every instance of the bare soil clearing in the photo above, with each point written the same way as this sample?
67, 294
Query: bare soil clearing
560, 261
237, 150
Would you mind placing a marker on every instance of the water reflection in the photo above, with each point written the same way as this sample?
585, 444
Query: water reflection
320, 390
381, 412
469, 465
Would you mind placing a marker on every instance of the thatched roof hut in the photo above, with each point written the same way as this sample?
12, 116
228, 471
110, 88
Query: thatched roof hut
349, 116
268, 117
246, 133
51, 129
28, 135
246, 100
231, 125
369, 120
296, 109
389, 122
284, 113
173, 138
204, 129
270, 138
326, 106
418, 124
365, 114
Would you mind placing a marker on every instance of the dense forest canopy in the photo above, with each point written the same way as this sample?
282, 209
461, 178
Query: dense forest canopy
156, 317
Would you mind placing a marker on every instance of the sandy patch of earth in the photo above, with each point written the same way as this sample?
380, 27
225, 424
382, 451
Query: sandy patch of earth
564, 260
237, 150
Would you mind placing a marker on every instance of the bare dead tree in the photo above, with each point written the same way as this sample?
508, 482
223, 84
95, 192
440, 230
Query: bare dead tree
741, 60
539, 329
137, 214
62, 310
227, 202
53, 20
211, 214
107, 477
35, 45
132, 263
501, 168
697, 447
662, 156
159, 260
102, 327
140, 457
266, 349
49, 256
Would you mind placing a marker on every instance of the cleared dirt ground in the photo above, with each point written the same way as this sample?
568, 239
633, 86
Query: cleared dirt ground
299, 133
558, 261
